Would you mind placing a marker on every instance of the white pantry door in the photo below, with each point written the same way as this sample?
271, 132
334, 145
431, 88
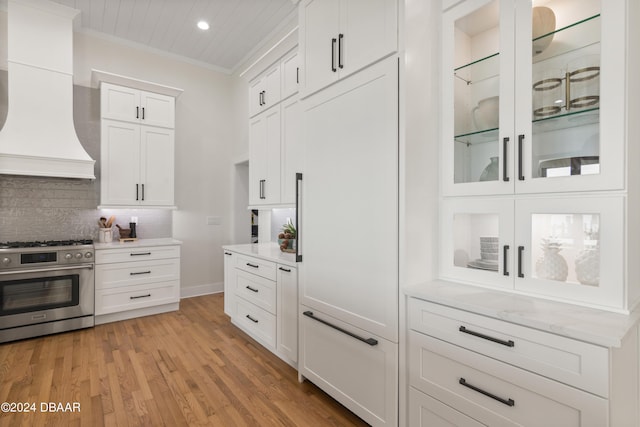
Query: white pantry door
349, 227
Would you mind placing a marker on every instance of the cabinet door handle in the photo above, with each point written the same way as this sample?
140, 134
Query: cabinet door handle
137, 112
137, 197
136, 273
520, 144
251, 318
297, 75
370, 341
263, 183
142, 192
139, 253
505, 250
253, 265
340, 38
520, 250
505, 153
333, 55
252, 289
508, 402
486, 337
284, 269
298, 181
140, 296
142, 113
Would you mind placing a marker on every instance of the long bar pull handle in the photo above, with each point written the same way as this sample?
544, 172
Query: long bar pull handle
486, 337
370, 341
136, 273
333, 55
505, 250
340, 38
142, 113
520, 144
139, 253
140, 296
520, 250
228, 253
252, 289
137, 196
137, 112
142, 192
286, 270
298, 181
251, 318
49, 269
508, 402
505, 153
253, 265
297, 75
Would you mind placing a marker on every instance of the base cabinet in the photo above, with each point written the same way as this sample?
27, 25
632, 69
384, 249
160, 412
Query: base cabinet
261, 297
136, 281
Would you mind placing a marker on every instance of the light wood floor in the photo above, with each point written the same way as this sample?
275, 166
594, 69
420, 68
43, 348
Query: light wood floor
187, 368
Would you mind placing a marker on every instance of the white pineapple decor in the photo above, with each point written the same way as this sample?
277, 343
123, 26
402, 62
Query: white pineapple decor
588, 264
551, 265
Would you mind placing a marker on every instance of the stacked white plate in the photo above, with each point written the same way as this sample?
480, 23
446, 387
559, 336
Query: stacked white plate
488, 254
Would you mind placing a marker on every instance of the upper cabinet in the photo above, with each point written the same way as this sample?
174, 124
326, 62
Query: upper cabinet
336, 41
137, 106
532, 99
264, 91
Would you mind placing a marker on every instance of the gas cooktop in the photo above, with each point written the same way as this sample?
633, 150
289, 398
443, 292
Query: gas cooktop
45, 243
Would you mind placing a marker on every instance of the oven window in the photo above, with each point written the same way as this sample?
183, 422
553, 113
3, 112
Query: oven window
26, 295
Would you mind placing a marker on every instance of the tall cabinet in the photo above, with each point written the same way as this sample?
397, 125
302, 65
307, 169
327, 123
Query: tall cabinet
137, 142
349, 228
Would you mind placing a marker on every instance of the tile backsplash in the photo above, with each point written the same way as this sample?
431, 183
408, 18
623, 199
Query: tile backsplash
41, 208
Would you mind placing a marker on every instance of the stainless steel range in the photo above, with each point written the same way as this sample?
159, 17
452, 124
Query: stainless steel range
45, 287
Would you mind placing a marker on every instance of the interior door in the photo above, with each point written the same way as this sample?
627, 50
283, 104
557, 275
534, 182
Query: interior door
350, 200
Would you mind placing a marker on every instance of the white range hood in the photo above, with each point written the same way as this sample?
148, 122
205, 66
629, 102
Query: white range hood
39, 137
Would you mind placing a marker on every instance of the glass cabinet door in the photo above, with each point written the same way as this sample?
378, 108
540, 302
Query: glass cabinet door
560, 141
476, 240
564, 246
478, 63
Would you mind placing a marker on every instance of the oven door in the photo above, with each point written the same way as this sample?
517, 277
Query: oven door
37, 296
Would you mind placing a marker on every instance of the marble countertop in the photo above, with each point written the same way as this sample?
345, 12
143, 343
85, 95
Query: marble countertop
583, 323
267, 251
138, 243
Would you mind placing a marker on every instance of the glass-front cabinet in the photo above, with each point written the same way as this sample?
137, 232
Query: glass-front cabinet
547, 247
530, 98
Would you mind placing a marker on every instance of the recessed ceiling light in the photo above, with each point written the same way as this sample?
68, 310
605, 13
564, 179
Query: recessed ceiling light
203, 25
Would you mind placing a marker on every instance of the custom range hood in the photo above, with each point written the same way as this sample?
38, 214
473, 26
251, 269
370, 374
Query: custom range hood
39, 137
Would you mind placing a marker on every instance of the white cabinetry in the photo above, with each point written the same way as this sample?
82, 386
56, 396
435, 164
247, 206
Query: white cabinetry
340, 37
136, 281
137, 148
535, 190
470, 369
261, 297
274, 146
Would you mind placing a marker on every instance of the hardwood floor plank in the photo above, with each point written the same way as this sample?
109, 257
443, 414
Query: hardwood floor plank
186, 368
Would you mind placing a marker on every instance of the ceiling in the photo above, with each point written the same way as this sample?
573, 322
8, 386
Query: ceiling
238, 27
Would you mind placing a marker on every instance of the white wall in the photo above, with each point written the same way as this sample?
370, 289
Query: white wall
205, 142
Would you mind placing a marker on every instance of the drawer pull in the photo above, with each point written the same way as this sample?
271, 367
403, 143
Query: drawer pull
486, 337
251, 289
251, 318
284, 269
252, 265
140, 253
140, 296
508, 402
136, 273
228, 253
370, 341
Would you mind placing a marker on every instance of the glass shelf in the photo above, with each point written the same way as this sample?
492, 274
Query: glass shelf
567, 120
559, 30
478, 137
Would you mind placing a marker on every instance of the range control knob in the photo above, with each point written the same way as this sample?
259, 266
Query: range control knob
88, 255
68, 256
78, 255
6, 261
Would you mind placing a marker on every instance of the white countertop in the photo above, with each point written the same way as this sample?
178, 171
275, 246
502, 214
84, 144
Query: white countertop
583, 323
138, 243
267, 251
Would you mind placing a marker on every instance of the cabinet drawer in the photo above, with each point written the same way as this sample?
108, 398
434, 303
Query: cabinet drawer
257, 290
266, 269
134, 297
105, 256
361, 376
573, 362
256, 321
495, 393
134, 273
425, 411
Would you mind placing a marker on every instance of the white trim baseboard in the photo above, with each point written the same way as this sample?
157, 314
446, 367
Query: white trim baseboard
198, 290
